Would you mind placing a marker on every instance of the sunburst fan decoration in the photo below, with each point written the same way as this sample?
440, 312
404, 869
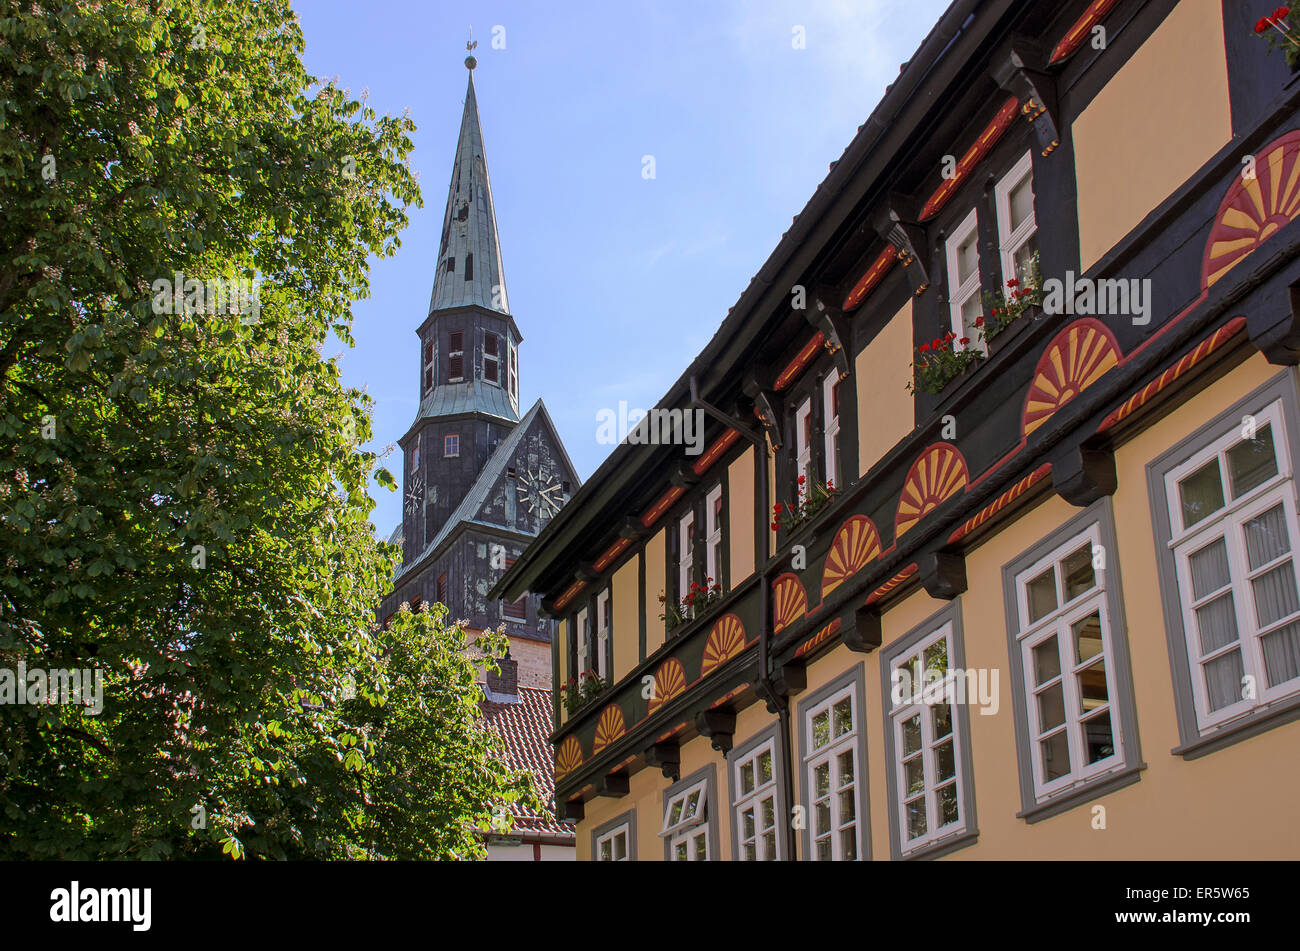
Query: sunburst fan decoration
670, 680
789, 601
609, 727
937, 475
568, 757
1255, 207
1074, 360
726, 640
855, 544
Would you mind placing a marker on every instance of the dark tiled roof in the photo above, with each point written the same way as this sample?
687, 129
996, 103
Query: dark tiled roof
525, 727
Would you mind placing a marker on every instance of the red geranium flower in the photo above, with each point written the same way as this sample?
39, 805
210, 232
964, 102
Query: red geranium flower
777, 507
965, 340
925, 348
1281, 13
936, 343
1262, 25
800, 480
1013, 283
775, 526
979, 321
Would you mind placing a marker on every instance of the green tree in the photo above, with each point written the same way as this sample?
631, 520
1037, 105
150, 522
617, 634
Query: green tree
183, 503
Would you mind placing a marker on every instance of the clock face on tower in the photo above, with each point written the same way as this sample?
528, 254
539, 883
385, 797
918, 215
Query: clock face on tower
414, 493
542, 496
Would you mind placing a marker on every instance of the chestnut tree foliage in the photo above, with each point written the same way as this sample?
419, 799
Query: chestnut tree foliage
183, 501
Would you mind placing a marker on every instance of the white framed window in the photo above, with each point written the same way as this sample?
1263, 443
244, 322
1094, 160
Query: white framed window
1068, 661
451, 444
602, 631
513, 354
686, 824
754, 778
929, 757
831, 436
1232, 509
803, 445
492, 358
713, 536
580, 639
612, 846
964, 301
685, 553
1013, 197
831, 732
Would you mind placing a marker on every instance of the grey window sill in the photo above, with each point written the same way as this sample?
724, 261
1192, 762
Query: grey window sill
1103, 785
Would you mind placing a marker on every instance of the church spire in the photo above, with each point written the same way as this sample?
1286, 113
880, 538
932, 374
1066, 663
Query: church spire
469, 267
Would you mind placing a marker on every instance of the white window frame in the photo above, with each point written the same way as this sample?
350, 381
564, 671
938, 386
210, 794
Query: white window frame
513, 369
921, 702
830, 754
685, 554
1059, 623
1228, 522
803, 445
713, 536
958, 295
688, 827
602, 631
451, 441
754, 800
1011, 241
580, 640
831, 434
610, 838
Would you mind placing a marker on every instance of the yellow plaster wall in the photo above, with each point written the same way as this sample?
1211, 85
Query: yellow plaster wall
656, 568
626, 617
1152, 126
740, 516
883, 370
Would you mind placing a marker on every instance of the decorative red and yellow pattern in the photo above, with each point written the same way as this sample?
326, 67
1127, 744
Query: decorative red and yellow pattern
789, 601
1074, 360
729, 695
568, 757
1076, 34
879, 267
884, 590
569, 593
1189, 360
670, 680
612, 552
726, 640
713, 452
855, 544
825, 634
609, 727
1001, 502
1255, 208
658, 509
992, 132
939, 473
795, 366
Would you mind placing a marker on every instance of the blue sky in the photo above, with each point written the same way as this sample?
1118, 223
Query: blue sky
616, 281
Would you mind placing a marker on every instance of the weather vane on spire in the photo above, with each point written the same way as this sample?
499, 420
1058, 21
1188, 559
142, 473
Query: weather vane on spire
470, 61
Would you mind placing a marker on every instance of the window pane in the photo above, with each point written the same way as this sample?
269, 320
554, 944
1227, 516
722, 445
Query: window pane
769, 846
948, 810
942, 714
1282, 654
1047, 661
1051, 707
968, 261
681, 851
620, 846
1223, 680
821, 730
1092, 686
970, 312
764, 768
846, 806
945, 762
1201, 493
747, 777
1275, 594
751, 855
914, 775
846, 769
1077, 572
1056, 756
823, 821
936, 657
1217, 624
911, 734
1209, 568
1087, 637
916, 819
701, 847
1252, 462
1099, 739
1021, 200
1041, 594
605, 852
843, 717
1267, 537
821, 780
849, 845
824, 850
1023, 257
675, 813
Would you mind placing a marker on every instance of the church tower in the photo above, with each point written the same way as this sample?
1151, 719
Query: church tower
480, 478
